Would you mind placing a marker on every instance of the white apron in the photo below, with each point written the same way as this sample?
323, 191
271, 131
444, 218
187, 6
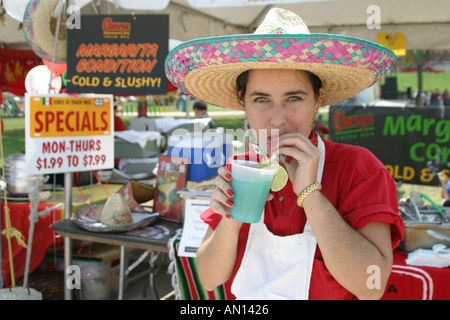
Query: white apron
276, 267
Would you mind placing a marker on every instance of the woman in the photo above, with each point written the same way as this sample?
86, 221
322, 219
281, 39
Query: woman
329, 233
445, 189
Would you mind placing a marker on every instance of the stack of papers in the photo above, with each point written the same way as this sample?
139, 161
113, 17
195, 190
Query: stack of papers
438, 257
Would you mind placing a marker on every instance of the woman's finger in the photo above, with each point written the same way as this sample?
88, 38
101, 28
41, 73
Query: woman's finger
224, 173
220, 198
296, 140
220, 203
224, 184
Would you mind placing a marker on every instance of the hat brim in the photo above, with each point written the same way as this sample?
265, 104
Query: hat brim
207, 68
36, 29
88, 217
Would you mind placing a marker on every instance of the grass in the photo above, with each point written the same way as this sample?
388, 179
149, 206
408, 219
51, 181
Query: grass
13, 136
431, 81
131, 106
433, 192
227, 121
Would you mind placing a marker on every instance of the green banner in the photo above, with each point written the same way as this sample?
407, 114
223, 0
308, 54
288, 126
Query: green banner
406, 139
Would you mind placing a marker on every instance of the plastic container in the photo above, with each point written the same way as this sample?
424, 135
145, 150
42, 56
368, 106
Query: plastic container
251, 187
95, 279
206, 151
16, 177
125, 149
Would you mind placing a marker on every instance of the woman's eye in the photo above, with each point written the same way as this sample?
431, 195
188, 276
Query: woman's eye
295, 98
260, 99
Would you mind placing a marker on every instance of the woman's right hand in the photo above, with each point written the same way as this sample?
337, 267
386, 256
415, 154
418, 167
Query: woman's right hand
217, 254
221, 197
221, 201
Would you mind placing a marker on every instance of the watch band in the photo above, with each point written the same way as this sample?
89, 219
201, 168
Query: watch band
308, 190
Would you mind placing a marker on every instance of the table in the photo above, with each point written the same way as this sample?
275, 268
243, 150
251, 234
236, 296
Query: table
416, 283
43, 235
69, 229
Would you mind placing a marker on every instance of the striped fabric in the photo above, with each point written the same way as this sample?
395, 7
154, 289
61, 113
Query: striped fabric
185, 280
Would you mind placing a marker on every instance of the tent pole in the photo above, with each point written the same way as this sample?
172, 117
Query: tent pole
58, 21
67, 241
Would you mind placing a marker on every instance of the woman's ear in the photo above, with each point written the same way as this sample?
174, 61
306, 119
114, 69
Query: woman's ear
319, 97
240, 98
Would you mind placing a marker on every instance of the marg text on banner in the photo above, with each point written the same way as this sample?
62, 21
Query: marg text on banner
406, 140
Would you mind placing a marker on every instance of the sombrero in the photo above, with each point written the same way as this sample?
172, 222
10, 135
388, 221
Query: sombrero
121, 211
113, 216
207, 68
39, 23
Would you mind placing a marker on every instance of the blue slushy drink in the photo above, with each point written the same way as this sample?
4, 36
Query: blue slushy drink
251, 187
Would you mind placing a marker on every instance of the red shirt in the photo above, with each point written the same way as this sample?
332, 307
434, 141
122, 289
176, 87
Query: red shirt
359, 187
118, 126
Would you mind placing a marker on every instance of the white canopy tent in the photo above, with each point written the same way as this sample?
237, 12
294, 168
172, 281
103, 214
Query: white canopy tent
426, 24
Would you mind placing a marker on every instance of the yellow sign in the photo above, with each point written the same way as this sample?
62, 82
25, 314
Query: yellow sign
67, 116
396, 42
66, 133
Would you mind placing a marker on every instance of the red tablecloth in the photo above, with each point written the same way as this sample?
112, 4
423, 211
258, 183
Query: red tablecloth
417, 283
43, 238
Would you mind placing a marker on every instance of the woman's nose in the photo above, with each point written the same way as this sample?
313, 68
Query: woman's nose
277, 118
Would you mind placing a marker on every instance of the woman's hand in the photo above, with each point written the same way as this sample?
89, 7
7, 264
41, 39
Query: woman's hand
302, 169
220, 201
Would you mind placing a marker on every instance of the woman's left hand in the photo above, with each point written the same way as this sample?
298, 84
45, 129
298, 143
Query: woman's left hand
302, 169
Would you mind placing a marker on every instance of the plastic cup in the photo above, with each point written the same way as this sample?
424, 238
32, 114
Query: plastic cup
251, 187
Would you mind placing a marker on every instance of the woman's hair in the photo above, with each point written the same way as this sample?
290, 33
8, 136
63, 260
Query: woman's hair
242, 79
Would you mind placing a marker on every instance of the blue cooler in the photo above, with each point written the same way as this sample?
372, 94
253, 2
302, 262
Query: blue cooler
206, 151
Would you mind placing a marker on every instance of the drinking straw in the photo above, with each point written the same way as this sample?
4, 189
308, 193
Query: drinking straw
275, 146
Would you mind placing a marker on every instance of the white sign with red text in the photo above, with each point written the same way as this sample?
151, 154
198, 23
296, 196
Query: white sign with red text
66, 133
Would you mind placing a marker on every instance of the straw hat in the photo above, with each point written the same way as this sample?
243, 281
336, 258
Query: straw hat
116, 211
207, 68
95, 217
39, 26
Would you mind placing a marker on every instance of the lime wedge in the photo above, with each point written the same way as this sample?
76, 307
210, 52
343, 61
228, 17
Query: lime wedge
281, 176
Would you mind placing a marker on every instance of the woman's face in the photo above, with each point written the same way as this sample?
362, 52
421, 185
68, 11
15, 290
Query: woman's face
281, 99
